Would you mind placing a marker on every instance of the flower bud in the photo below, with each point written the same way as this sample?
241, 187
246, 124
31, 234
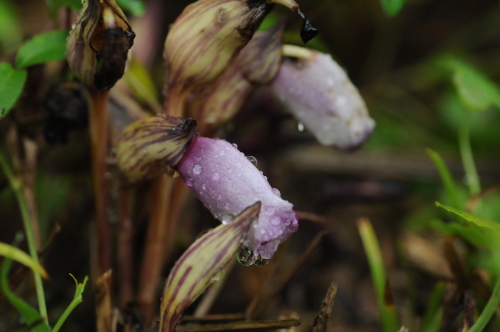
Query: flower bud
98, 44
227, 182
317, 91
149, 146
200, 265
257, 64
205, 38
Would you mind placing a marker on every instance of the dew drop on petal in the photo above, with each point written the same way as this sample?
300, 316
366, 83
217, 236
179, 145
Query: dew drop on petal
197, 169
235, 145
253, 160
221, 152
189, 182
219, 197
276, 192
203, 187
275, 221
216, 176
269, 211
226, 206
245, 256
227, 219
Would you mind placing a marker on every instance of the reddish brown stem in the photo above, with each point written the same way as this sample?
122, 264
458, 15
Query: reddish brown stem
99, 145
154, 255
125, 249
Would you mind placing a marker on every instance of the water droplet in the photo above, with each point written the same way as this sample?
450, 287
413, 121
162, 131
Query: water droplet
276, 221
189, 182
218, 276
253, 160
269, 211
221, 152
203, 187
235, 145
219, 197
259, 261
216, 176
226, 206
276, 192
227, 219
197, 169
245, 256
300, 127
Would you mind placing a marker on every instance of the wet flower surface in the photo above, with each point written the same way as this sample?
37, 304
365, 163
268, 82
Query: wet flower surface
227, 182
318, 92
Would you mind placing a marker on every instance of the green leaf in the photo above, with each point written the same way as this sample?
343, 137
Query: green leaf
29, 314
50, 46
392, 7
21, 257
446, 177
476, 90
139, 79
492, 225
77, 299
134, 7
10, 31
11, 86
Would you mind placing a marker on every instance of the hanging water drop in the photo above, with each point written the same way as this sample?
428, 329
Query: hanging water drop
276, 192
235, 145
227, 219
261, 261
189, 182
300, 127
253, 160
245, 256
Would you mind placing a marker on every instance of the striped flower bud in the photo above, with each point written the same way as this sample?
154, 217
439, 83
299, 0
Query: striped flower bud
227, 182
98, 44
148, 147
317, 91
257, 64
200, 265
205, 38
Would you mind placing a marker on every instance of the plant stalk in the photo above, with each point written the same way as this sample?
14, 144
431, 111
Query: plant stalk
467, 157
488, 310
17, 187
98, 117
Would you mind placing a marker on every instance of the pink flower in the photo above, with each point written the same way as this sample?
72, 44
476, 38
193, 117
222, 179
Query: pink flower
317, 91
227, 182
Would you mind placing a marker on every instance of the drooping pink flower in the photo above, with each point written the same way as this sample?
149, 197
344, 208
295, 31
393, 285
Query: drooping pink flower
317, 91
227, 182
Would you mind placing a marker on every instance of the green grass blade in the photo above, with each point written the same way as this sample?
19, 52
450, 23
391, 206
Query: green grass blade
489, 310
388, 313
29, 314
77, 299
433, 314
469, 217
446, 178
21, 257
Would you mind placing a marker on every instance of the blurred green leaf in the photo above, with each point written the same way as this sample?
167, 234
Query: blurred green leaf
29, 314
10, 31
476, 90
446, 177
77, 299
50, 46
392, 7
134, 7
492, 225
139, 79
21, 257
11, 86
388, 314
434, 312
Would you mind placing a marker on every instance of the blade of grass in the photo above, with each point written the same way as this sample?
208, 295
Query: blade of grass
469, 217
77, 299
446, 177
21, 257
432, 316
16, 186
467, 157
29, 314
488, 310
388, 314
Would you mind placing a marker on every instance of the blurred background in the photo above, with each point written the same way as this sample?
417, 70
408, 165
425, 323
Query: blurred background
428, 74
